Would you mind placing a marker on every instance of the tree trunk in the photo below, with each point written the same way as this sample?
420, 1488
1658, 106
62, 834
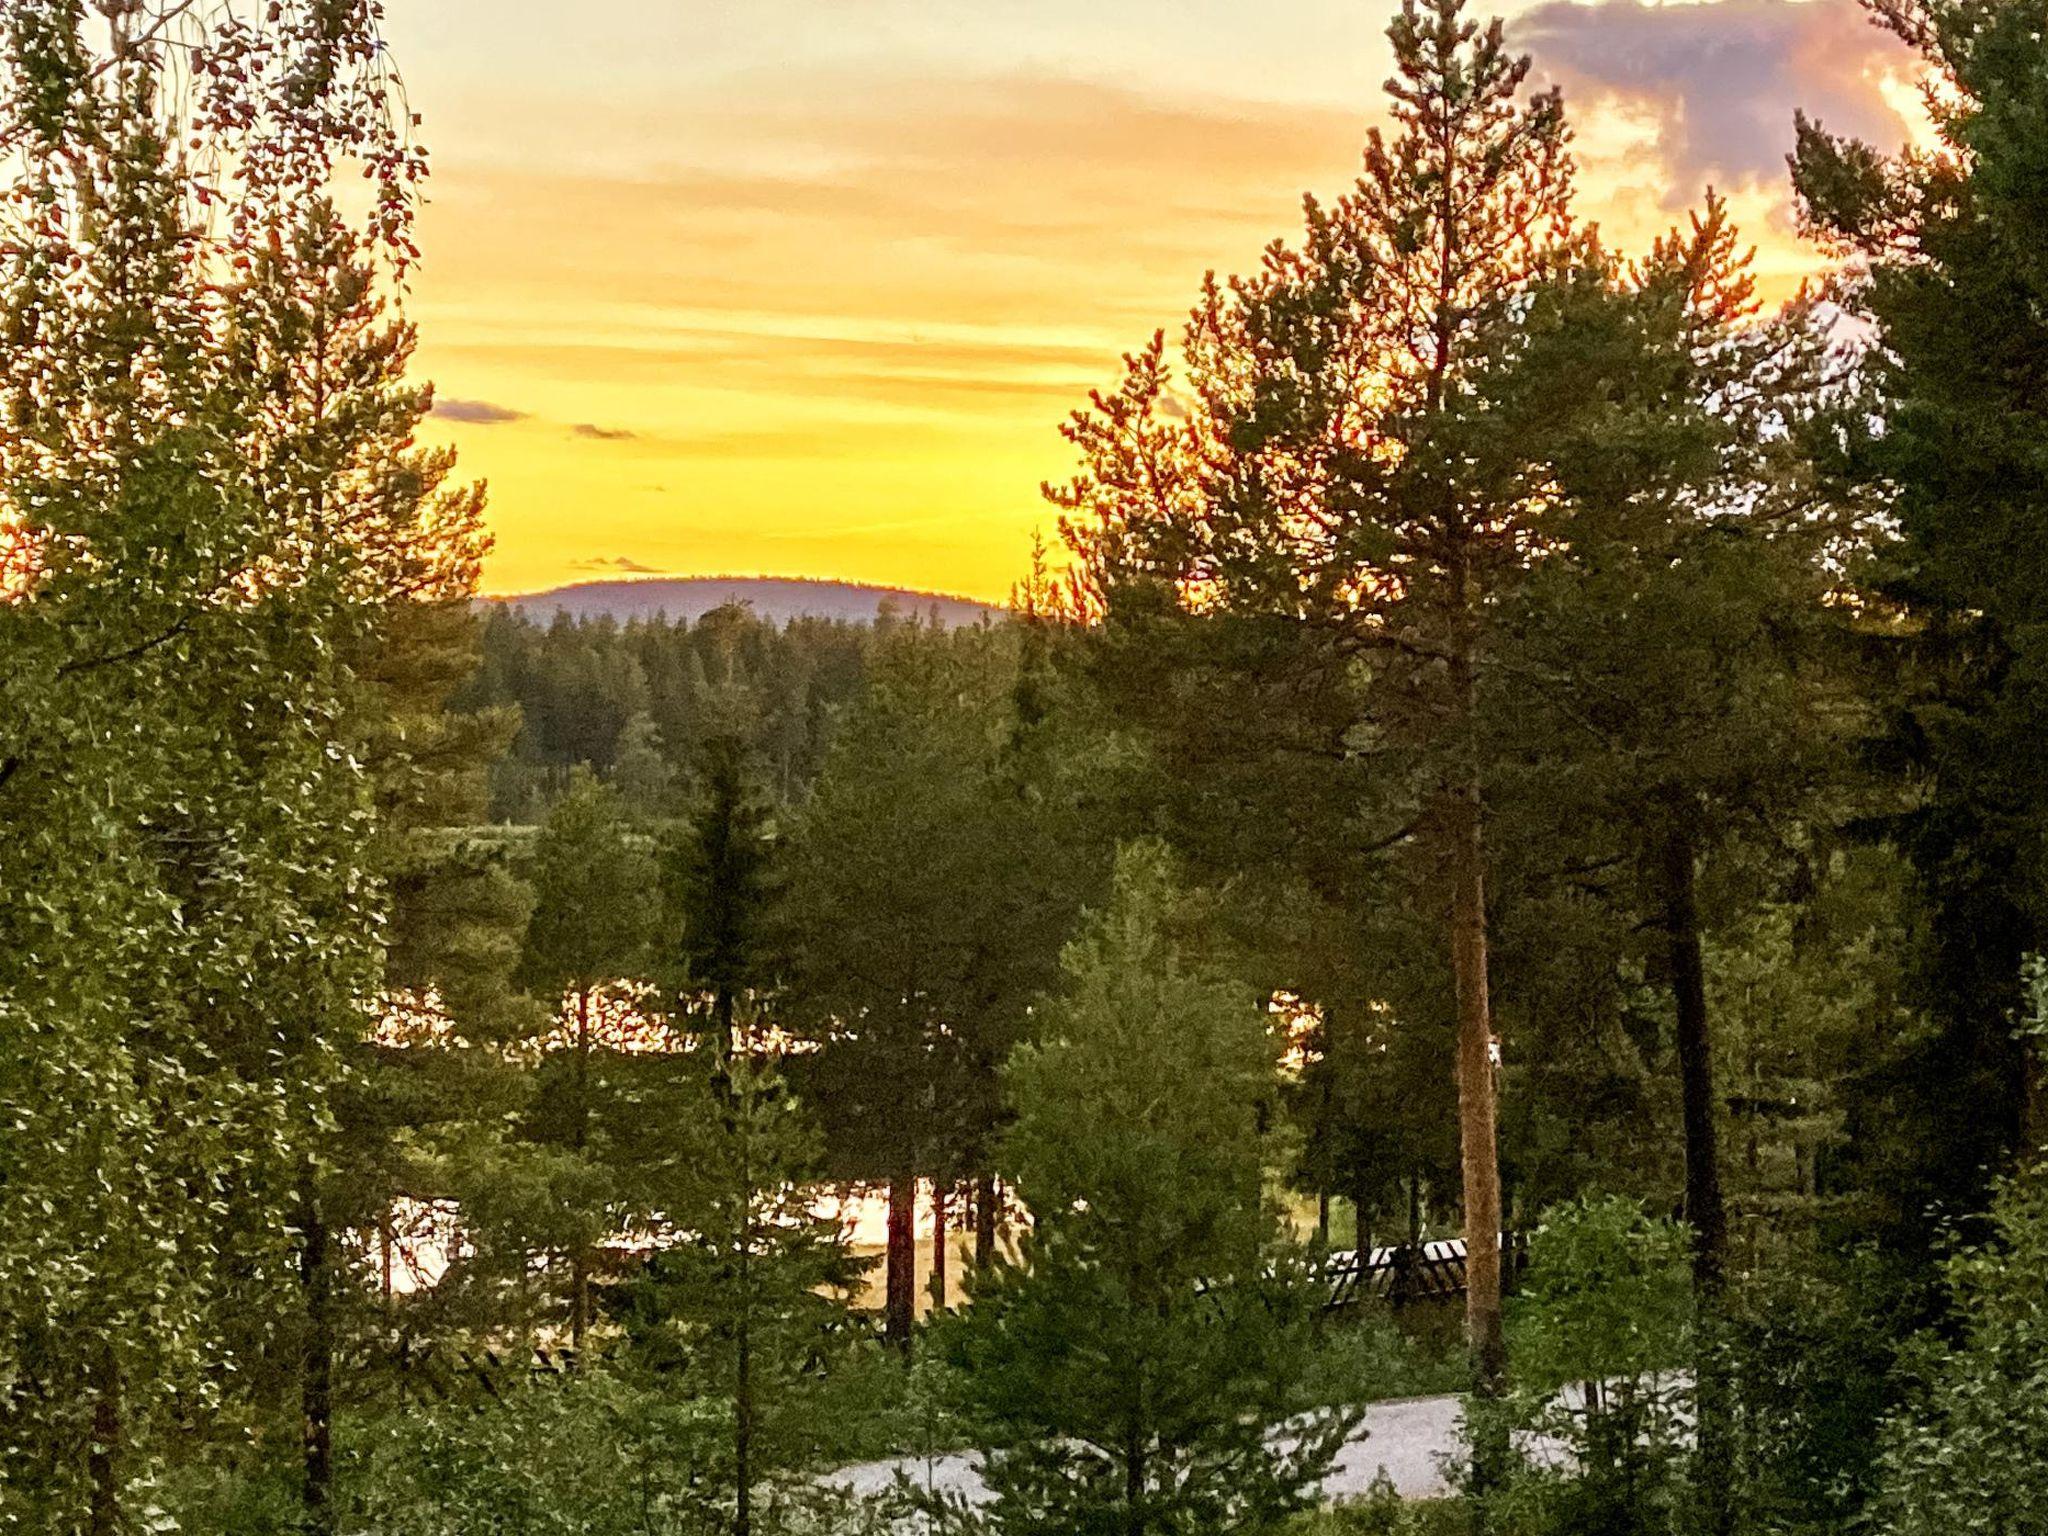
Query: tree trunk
1401, 1285
940, 1191
743, 1385
579, 1261
743, 1439
103, 1454
1703, 1203
743, 1394
316, 1371
1704, 1209
1134, 1483
1477, 1134
987, 1217
579, 1304
901, 1263
722, 1007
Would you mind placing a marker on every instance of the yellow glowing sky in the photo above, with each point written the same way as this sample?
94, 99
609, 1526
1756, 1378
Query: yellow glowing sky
806, 286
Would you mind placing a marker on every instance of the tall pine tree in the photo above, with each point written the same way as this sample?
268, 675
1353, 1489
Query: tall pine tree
1339, 467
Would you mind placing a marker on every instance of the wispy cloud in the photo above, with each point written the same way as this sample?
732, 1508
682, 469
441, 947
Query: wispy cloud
1720, 81
479, 413
1022, 199
826, 292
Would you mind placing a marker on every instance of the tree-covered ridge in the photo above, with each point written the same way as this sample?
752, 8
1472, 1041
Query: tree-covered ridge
635, 702
777, 598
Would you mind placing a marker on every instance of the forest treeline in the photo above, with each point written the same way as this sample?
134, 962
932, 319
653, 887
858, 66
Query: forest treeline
633, 701
1517, 738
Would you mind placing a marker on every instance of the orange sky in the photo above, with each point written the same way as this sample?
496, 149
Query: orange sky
806, 286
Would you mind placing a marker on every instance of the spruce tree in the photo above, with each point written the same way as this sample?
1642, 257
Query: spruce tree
1948, 430
1138, 1360
722, 884
744, 1301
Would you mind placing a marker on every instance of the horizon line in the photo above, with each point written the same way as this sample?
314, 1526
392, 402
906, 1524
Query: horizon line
652, 578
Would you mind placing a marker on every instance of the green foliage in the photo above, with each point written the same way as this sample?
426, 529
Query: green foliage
1155, 1327
1810, 1351
201, 533
743, 1305
598, 1454
1365, 1356
641, 772
591, 878
1947, 429
1603, 1320
1606, 1296
721, 883
640, 702
1384, 1513
872, 1406
962, 818
592, 1456
1967, 1450
1453, 565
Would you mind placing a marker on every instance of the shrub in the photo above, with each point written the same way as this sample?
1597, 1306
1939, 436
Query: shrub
1597, 1413
1969, 1451
1809, 1355
1382, 1512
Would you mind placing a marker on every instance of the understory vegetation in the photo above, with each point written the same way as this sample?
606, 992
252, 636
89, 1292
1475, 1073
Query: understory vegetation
1519, 743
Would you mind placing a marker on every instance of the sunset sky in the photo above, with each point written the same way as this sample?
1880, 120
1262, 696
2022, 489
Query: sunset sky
805, 288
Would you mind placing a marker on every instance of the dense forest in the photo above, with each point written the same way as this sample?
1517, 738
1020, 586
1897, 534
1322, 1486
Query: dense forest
1517, 742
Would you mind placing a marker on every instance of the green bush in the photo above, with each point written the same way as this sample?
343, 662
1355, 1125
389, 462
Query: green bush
212, 1497
599, 1455
593, 1456
1809, 1354
1364, 1356
1598, 1413
1382, 1512
1969, 1451
871, 1407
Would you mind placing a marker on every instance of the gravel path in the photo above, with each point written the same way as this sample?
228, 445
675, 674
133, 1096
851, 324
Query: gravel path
1406, 1439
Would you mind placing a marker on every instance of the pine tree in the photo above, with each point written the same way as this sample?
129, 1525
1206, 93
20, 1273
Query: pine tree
586, 945
894, 890
744, 1303
1662, 671
934, 875
1340, 468
1138, 1359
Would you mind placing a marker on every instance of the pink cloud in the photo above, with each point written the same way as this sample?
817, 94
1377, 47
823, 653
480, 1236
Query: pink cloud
1722, 80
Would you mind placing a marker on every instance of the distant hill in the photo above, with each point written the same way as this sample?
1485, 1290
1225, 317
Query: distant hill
775, 598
